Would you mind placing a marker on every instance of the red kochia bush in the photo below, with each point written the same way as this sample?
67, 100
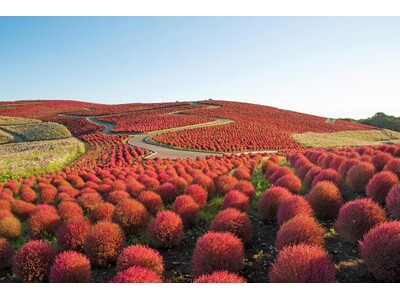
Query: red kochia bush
279, 173
33, 260
166, 230
103, 243
220, 277
327, 175
103, 212
4, 205
70, 267
206, 182
187, 208
235, 222
393, 166
270, 201
358, 217
140, 256
134, 188
116, 197
291, 207
380, 160
268, 165
71, 235
245, 187
302, 264
22, 209
237, 200
168, 192
217, 251
310, 175
48, 194
27, 194
300, 229
325, 200
6, 254
358, 176
43, 223
198, 193
136, 275
224, 184
131, 215
242, 173
380, 184
69, 210
89, 201
380, 250
152, 201
393, 201
290, 182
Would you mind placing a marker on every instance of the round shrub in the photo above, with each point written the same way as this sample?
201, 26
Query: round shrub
393, 166
69, 210
6, 254
131, 215
168, 192
118, 185
116, 197
70, 267
10, 227
235, 222
358, 176
380, 250
42, 224
380, 184
224, 184
71, 235
48, 195
246, 188
327, 175
180, 183
134, 188
268, 165
291, 207
310, 175
242, 173
220, 277
198, 193
89, 201
44, 207
236, 200
140, 256
33, 260
166, 230
136, 275
300, 229
5, 205
103, 212
187, 208
325, 200
302, 264
393, 201
357, 217
206, 182
380, 160
290, 182
217, 251
152, 201
103, 243
346, 166
279, 173
270, 201
22, 209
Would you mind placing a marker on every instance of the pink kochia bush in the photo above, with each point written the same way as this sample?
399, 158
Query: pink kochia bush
225, 183
33, 260
198, 193
245, 187
393, 201
220, 277
358, 176
6, 254
140, 256
327, 175
152, 201
357, 217
233, 221
302, 264
168, 192
325, 200
270, 201
300, 229
217, 251
187, 208
136, 275
380, 184
103, 243
166, 230
289, 208
291, 182
70, 266
236, 200
380, 250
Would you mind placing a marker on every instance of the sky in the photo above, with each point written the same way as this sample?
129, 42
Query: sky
326, 66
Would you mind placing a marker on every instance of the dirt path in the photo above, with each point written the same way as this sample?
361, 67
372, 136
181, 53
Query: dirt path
331, 121
17, 137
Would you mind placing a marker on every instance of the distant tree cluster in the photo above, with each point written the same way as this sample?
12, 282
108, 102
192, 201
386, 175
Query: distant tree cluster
382, 120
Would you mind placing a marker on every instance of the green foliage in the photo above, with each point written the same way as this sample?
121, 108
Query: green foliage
208, 213
40, 131
5, 120
382, 120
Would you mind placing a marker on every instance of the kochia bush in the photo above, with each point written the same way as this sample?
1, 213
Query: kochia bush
71, 235
380, 184
393, 201
166, 230
6, 254
136, 275
237, 200
270, 201
291, 207
70, 267
358, 176
131, 215
187, 208
325, 200
198, 193
220, 277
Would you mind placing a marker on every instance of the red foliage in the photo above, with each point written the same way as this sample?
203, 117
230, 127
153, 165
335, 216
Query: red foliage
357, 217
180, 183
70, 267
48, 194
136, 275
4, 205
236, 200
291, 207
198, 193
116, 197
168, 192
131, 215
27, 194
380, 250
71, 235
246, 188
242, 173
69, 210
6, 254
140, 256
235, 222
380, 184
393, 166
103, 212
325, 200
43, 223
187, 208
346, 166
134, 188
89, 201
310, 175
270, 201
152, 201
279, 173
327, 175
380, 160
393, 201
220, 277
217, 251
358, 176
22, 209
300, 229
290, 182
165, 230
206, 182
225, 183
33, 260
302, 264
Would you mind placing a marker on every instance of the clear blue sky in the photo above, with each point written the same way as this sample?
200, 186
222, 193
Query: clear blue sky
333, 67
